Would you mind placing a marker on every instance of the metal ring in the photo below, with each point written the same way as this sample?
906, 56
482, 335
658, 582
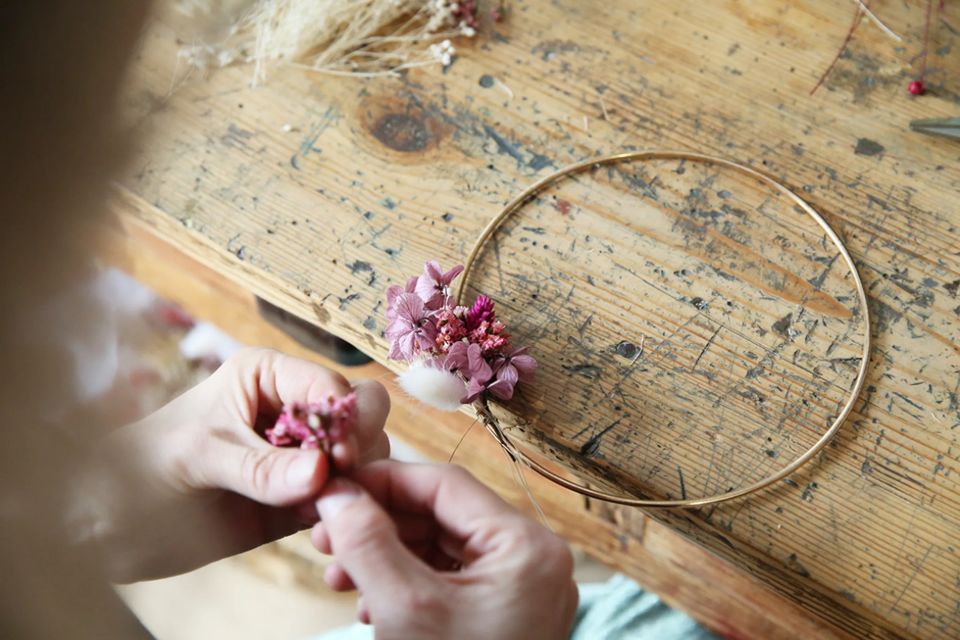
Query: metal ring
514, 205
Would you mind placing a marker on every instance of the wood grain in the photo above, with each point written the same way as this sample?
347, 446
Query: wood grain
748, 324
684, 574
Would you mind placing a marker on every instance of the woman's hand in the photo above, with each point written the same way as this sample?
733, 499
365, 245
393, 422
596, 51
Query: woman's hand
196, 482
435, 554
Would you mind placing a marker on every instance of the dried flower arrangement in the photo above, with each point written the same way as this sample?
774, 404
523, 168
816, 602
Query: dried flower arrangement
458, 354
357, 38
317, 425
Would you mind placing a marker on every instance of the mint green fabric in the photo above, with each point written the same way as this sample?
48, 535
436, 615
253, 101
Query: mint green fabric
614, 610
619, 608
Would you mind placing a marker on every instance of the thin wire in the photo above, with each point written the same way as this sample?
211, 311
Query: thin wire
460, 441
843, 47
514, 205
877, 21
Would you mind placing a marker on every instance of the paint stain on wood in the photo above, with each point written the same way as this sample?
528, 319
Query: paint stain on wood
868, 147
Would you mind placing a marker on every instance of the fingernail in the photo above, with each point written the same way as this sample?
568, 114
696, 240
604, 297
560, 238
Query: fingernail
301, 471
338, 494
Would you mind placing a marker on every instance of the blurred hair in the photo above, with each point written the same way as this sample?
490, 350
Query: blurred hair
61, 64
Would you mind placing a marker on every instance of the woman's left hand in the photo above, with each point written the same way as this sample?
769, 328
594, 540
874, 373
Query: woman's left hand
196, 482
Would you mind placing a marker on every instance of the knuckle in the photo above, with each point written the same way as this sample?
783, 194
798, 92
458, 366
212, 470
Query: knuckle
249, 356
255, 469
357, 529
542, 551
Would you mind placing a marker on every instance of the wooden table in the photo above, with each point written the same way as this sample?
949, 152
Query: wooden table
749, 324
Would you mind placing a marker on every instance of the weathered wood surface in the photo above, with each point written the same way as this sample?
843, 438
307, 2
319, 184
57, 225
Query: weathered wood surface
689, 577
748, 323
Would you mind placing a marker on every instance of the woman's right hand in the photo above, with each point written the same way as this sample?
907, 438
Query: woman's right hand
436, 554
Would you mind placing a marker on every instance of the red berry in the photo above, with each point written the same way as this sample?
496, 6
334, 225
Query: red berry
916, 88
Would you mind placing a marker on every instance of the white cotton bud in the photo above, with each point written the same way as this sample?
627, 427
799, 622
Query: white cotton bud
437, 388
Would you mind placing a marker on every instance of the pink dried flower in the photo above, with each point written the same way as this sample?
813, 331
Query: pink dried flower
427, 329
433, 286
481, 311
450, 329
510, 369
468, 360
314, 425
491, 336
394, 291
410, 328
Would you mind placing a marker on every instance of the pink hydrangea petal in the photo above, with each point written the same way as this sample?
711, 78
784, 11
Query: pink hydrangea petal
474, 389
406, 344
525, 365
432, 270
457, 356
501, 389
409, 307
451, 275
395, 352
508, 374
393, 291
427, 291
477, 367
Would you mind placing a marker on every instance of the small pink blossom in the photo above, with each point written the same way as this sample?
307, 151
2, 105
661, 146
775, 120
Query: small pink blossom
409, 328
314, 425
450, 329
433, 286
491, 336
481, 311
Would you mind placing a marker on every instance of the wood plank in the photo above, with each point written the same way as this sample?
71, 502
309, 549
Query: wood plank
749, 325
684, 574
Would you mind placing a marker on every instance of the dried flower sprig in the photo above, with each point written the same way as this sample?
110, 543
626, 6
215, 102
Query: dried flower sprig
361, 38
317, 425
458, 354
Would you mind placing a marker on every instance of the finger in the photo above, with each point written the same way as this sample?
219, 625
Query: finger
448, 493
363, 611
411, 529
320, 539
379, 450
337, 579
272, 379
365, 543
344, 454
269, 475
373, 405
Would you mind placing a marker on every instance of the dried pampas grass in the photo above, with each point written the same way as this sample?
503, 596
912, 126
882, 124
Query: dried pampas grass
343, 37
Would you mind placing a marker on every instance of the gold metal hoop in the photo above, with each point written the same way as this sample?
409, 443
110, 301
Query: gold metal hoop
514, 205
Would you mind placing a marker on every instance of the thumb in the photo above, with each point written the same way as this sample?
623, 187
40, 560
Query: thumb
366, 544
268, 475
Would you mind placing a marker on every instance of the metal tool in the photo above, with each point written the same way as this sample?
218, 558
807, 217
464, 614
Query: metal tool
946, 127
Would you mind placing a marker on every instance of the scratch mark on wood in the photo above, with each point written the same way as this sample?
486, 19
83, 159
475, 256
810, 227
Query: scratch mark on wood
916, 570
705, 347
